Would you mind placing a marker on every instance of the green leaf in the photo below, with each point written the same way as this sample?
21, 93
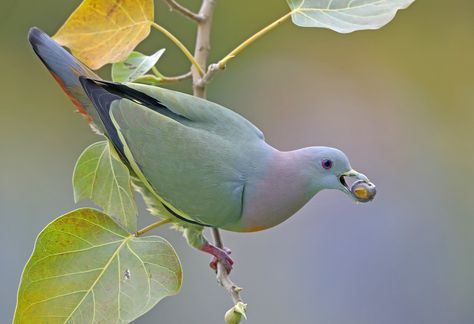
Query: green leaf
87, 269
136, 65
100, 175
345, 16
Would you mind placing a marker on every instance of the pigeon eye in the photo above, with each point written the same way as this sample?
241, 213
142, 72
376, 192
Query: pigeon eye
327, 164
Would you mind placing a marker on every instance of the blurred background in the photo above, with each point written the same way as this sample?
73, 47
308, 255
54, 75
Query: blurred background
399, 102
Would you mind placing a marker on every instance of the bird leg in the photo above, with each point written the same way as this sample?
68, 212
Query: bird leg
196, 239
215, 259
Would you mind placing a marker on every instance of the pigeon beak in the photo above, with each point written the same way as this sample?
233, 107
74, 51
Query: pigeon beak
362, 190
351, 174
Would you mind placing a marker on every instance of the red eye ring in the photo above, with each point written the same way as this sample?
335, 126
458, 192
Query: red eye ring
326, 164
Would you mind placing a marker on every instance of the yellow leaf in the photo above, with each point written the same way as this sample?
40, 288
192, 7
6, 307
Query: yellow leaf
106, 31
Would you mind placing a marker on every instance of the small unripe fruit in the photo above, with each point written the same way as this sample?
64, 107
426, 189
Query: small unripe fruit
363, 191
235, 314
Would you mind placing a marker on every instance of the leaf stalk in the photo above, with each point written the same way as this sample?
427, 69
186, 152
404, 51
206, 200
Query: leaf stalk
159, 78
223, 62
180, 45
152, 226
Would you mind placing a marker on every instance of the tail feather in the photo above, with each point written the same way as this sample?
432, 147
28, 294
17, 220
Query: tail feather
66, 70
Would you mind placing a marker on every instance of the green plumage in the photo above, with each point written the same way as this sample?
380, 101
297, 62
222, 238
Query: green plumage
192, 164
193, 160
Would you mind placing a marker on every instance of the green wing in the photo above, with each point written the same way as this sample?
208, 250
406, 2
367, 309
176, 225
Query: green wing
195, 172
204, 114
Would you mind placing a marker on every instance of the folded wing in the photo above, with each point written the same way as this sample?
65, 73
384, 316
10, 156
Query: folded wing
194, 172
190, 159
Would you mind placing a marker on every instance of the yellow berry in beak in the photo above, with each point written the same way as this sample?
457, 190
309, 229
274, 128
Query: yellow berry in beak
363, 191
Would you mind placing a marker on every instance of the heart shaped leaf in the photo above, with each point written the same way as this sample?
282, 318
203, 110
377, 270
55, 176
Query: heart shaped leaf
136, 65
345, 16
87, 269
106, 31
100, 176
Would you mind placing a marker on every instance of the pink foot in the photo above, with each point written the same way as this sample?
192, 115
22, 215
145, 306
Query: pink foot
219, 255
214, 260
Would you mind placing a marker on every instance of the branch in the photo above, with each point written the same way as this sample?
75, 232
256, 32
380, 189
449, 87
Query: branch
201, 54
203, 45
184, 11
211, 71
222, 275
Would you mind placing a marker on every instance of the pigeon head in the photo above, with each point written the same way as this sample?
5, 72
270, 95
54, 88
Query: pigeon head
332, 169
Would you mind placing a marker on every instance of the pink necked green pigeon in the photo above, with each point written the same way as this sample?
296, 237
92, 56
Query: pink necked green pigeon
197, 162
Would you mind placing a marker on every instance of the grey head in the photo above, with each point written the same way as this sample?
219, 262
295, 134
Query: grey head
330, 168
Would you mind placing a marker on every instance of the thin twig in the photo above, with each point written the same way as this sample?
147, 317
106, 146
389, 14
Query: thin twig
180, 45
211, 71
222, 275
203, 46
184, 11
174, 79
161, 79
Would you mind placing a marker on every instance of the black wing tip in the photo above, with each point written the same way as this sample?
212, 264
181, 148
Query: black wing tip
85, 81
122, 91
88, 83
91, 84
